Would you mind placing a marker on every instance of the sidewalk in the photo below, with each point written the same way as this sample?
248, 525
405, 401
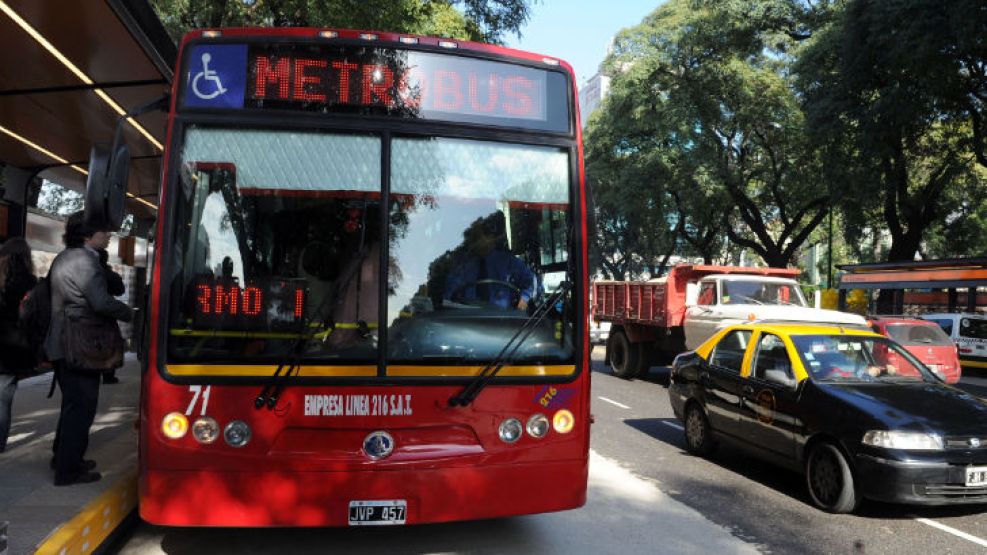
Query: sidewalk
29, 501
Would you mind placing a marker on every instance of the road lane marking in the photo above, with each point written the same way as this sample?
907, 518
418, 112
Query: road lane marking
672, 424
953, 531
612, 402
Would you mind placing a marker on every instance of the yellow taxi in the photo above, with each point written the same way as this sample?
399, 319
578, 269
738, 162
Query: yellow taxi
854, 411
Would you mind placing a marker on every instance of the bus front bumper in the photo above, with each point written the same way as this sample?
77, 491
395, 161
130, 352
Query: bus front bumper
272, 498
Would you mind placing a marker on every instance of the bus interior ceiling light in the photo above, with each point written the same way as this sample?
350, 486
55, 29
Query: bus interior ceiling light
328, 34
448, 44
41, 40
41, 149
368, 36
408, 40
211, 34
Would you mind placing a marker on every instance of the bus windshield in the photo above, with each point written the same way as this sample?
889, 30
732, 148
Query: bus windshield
284, 248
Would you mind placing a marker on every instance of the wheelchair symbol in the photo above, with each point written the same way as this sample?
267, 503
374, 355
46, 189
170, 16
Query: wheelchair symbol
208, 75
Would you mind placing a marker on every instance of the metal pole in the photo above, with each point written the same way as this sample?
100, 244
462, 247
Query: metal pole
829, 250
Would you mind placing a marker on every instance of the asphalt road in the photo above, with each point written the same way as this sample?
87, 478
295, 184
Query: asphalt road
646, 495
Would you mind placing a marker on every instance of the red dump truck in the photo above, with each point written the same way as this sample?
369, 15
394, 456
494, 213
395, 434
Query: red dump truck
652, 321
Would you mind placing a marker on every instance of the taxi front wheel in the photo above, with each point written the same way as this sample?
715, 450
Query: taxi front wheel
830, 479
698, 436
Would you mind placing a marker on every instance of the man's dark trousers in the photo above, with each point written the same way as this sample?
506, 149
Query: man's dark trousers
80, 397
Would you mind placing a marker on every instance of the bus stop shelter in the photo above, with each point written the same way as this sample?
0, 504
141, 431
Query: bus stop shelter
68, 72
928, 282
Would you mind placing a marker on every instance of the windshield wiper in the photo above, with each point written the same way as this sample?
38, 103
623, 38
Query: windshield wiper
473, 389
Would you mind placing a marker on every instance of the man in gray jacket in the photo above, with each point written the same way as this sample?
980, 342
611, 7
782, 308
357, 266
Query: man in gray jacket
78, 288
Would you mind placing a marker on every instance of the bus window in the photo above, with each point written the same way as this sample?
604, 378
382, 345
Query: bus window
503, 212
283, 240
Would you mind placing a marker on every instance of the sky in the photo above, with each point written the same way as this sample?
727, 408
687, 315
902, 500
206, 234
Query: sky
578, 31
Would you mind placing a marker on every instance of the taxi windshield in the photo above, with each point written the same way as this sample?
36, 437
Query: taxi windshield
839, 358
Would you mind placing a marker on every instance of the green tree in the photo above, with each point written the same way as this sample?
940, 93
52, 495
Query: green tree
896, 139
482, 20
702, 102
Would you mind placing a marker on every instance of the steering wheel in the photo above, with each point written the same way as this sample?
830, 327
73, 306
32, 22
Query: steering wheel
453, 294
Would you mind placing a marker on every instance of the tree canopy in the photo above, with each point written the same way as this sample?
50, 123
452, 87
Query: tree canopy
481, 20
742, 124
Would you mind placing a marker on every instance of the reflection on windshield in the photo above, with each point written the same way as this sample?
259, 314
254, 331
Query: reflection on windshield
851, 358
480, 233
278, 246
761, 292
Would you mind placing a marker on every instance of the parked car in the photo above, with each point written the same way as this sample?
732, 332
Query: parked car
969, 332
819, 399
599, 332
924, 339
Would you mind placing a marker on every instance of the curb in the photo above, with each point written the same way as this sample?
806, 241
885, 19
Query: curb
90, 529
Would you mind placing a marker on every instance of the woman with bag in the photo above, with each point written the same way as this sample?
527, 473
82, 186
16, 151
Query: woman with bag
16, 357
83, 342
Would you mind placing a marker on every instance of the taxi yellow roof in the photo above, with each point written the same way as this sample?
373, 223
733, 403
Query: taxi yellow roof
780, 328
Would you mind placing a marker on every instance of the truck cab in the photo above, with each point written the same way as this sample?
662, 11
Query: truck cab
717, 301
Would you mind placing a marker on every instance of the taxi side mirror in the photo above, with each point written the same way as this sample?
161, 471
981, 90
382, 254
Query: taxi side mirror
779, 377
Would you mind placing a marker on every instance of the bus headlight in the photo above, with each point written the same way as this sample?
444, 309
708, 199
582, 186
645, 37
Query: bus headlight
237, 433
537, 426
510, 430
563, 421
205, 430
174, 425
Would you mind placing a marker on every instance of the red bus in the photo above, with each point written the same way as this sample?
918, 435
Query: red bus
368, 300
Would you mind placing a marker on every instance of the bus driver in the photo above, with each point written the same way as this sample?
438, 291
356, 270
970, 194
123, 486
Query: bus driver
490, 273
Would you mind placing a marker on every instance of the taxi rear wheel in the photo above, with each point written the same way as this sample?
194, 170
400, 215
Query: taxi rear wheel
698, 434
830, 479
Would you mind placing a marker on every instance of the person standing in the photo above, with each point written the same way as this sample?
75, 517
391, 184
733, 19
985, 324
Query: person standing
78, 293
116, 287
16, 279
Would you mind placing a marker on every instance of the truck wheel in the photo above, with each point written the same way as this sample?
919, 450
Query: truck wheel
624, 357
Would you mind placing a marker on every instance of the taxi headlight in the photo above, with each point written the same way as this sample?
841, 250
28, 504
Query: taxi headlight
537, 426
237, 433
205, 430
174, 425
563, 421
910, 441
510, 430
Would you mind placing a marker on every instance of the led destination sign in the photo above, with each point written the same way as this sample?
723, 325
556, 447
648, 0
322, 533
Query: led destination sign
376, 81
276, 304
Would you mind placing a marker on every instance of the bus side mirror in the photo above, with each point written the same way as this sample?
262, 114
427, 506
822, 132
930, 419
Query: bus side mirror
106, 186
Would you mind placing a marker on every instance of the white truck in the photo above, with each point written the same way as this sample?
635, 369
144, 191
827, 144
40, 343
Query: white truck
652, 321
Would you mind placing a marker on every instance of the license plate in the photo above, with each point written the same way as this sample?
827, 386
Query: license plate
378, 513
976, 476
